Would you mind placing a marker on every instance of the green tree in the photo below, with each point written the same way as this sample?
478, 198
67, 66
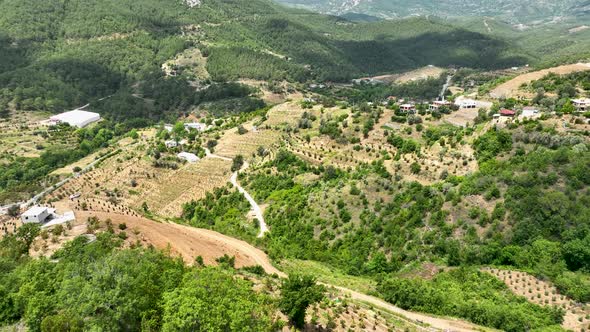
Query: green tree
298, 292
237, 163
211, 299
568, 107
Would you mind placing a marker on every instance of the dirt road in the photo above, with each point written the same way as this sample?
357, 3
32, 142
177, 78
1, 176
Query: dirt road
255, 207
438, 323
234, 181
511, 88
190, 242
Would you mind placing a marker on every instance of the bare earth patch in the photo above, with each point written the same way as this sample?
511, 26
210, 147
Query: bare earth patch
511, 88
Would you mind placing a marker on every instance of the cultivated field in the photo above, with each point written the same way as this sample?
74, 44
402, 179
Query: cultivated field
577, 316
232, 143
23, 136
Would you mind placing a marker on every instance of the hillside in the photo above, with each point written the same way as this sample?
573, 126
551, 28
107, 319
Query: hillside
511, 10
260, 167
60, 55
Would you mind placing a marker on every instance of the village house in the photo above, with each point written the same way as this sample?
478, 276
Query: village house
195, 125
407, 108
507, 113
466, 103
581, 104
36, 214
171, 144
436, 105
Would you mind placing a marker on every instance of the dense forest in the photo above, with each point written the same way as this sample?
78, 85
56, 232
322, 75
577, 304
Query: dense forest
58, 55
99, 285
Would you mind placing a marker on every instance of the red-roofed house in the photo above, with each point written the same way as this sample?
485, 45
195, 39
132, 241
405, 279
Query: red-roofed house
506, 112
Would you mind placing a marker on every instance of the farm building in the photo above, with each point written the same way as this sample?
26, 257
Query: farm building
190, 157
466, 103
76, 118
171, 144
36, 214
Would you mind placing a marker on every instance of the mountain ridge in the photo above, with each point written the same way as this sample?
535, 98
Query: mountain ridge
516, 12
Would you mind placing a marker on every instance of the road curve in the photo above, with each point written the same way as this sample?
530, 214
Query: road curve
234, 181
190, 242
438, 323
255, 207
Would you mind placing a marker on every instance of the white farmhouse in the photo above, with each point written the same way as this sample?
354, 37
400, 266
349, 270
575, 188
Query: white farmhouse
195, 125
76, 118
581, 104
190, 157
437, 104
466, 103
36, 214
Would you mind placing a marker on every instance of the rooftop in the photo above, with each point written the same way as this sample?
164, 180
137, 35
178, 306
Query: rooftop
76, 117
35, 211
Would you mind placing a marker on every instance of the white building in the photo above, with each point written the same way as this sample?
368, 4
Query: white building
171, 144
76, 118
406, 108
196, 125
466, 103
36, 214
437, 104
168, 127
581, 104
190, 157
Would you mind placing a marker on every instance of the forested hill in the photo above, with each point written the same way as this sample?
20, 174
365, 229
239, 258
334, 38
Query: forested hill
57, 54
515, 11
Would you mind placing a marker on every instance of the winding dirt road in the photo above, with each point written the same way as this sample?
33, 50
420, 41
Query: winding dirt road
234, 181
255, 207
189, 242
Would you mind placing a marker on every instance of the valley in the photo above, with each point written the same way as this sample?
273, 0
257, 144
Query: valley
255, 167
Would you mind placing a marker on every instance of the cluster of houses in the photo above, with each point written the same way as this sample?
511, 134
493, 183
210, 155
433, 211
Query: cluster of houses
528, 112
198, 126
187, 156
409, 107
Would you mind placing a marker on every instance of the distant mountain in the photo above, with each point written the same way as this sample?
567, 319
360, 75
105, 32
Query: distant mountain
514, 11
